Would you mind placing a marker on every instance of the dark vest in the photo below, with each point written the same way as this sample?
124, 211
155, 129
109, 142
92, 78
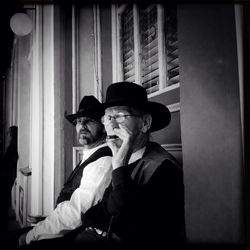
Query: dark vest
74, 180
152, 158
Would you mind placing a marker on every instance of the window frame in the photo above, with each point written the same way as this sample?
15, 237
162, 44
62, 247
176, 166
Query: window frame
116, 52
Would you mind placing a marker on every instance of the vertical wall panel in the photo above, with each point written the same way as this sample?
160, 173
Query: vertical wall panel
210, 124
105, 15
49, 100
86, 52
36, 117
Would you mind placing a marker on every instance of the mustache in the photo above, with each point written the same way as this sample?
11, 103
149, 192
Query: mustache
83, 130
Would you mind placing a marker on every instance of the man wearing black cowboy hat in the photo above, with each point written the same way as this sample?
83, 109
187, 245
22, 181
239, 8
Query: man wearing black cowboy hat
145, 203
86, 184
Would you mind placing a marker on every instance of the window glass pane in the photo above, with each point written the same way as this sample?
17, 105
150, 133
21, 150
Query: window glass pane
149, 48
127, 44
172, 45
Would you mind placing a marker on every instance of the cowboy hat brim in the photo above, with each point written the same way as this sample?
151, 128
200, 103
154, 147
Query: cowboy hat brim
161, 115
94, 113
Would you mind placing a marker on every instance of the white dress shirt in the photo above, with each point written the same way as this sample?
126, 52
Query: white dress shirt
136, 155
67, 215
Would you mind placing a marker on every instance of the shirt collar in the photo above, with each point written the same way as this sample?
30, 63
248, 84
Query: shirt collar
88, 152
136, 155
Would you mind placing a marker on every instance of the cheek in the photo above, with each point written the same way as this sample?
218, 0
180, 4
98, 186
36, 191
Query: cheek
109, 129
78, 128
137, 127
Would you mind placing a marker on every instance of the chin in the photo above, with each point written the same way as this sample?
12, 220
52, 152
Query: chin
83, 141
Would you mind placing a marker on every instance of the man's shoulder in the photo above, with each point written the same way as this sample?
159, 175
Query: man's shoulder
155, 150
102, 151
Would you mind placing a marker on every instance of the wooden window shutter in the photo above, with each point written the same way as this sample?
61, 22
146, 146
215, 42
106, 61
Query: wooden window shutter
172, 54
127, 44
149, 48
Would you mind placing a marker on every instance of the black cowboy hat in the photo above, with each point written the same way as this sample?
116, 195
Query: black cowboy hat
89, 107
134, 95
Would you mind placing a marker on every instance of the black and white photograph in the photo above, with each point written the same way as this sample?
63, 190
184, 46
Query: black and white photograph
124, 124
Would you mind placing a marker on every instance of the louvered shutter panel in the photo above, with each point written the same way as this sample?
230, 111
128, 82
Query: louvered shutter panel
172, 46
127, 44
149, 48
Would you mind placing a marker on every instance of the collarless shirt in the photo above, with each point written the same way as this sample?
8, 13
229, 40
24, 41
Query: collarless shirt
88, 152
67, 215
136, 155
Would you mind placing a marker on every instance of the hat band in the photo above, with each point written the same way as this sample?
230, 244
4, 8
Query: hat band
126, 102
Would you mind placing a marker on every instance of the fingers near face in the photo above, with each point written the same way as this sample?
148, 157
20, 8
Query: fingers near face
128, 127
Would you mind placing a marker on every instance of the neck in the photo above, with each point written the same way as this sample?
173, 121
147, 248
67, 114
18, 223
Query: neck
141, 142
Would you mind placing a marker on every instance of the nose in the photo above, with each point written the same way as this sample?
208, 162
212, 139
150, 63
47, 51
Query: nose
81, 125
113, 123
111, 126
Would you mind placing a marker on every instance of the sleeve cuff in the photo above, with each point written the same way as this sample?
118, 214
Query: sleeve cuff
29, 236
120, 176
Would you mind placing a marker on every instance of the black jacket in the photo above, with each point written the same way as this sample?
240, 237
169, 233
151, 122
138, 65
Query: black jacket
145, 202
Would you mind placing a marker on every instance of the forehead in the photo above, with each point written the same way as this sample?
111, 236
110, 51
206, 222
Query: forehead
85, 118
117, 109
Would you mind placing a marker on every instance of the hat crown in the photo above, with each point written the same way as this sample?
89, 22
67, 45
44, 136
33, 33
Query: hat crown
128, 92
88, 102
89, 107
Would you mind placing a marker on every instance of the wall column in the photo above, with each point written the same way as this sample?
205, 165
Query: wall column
42, 143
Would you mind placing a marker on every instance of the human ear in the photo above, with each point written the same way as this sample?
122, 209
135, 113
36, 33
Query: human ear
147, 121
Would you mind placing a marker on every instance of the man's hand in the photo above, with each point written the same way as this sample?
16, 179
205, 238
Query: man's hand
122, 153
22, 239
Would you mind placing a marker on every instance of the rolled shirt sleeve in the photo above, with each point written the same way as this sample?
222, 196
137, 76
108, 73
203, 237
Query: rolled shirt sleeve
67, 215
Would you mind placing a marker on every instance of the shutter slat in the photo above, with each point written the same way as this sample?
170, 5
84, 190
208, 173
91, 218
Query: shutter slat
150, 68
128, 60
152, 89
173, 72
128, 75
128, 54
150, 61
151, 82
127, 43
150, 76
153, 56
128, 69
172, 51
172, 63
174, 80
149, 48
130, 79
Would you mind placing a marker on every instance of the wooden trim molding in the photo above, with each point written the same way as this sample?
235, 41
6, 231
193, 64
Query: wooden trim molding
77, 155
172, 147
166, 89
175, 107
75, 60
175, 150
97, 53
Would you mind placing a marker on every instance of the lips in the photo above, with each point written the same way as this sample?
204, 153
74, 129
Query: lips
84, 131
